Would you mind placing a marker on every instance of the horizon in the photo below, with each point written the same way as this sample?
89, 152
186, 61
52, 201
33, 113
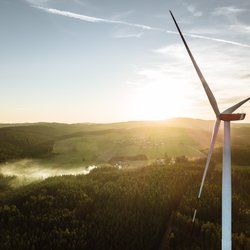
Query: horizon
85, 61
128, 121
89, 122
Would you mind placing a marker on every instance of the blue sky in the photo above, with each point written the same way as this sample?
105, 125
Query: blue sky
107, 61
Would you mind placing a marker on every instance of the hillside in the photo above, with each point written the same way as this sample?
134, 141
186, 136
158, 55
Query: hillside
66, 146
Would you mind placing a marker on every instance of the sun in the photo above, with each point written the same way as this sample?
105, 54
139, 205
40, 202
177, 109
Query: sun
159, 102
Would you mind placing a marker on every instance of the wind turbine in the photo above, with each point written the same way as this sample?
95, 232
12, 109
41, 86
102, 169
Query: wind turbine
227, 116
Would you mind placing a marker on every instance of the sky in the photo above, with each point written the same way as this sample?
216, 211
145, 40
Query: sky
108, 61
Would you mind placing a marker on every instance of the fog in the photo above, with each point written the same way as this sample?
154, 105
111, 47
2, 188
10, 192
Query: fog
35, 169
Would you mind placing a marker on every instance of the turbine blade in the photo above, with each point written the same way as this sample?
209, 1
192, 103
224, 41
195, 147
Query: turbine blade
208, 91
195, 211
234, 107
213, 139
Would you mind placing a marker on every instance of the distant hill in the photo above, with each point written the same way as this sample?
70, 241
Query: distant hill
90, 143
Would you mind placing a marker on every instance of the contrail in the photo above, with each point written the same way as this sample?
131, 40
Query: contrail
218, 40
141, 26
93, 19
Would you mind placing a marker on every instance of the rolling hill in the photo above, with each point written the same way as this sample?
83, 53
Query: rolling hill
70, 145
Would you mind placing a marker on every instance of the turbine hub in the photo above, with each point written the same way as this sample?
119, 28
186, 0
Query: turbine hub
232, 117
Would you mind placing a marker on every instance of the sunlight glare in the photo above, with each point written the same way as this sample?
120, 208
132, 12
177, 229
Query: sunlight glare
159, 102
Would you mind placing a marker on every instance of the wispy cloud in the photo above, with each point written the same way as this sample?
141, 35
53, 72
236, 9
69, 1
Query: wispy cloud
227, 10
128, 35
240, 28
92, 19
210, 38
192, 9
246, 76
174, 50
121, 15
140, 26
233, 17
218, 40
37, 2
85, 4
128, 32
230, 66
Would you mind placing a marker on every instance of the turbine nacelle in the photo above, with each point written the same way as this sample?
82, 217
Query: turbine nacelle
232, 117
227, 115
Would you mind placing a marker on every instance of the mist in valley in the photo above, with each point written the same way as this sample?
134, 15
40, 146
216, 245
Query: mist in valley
33, 169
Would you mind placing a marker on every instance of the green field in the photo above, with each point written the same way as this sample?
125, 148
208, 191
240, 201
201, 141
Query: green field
74, 147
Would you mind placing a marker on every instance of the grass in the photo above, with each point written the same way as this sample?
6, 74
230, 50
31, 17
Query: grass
81, 145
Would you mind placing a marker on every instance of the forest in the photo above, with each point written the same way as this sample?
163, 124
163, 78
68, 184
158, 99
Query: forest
120, 206
123, 209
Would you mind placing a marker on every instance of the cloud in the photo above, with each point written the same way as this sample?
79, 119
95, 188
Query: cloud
226, 10
226, 72
127, 32
229, 101
240, 28
37, 2
246, 76
173, 51
121, 15
218, 40
210, 38
229, 64
198, 13
128, 35
234, 17
192, 9
92, 19
85, 4
141, 26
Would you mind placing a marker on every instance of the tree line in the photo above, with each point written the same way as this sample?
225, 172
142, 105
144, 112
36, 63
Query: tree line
123, 209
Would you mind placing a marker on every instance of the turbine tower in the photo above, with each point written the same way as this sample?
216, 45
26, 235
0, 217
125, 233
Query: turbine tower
226, 116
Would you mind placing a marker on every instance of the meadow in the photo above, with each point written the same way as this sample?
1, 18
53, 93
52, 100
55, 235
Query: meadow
68, 147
